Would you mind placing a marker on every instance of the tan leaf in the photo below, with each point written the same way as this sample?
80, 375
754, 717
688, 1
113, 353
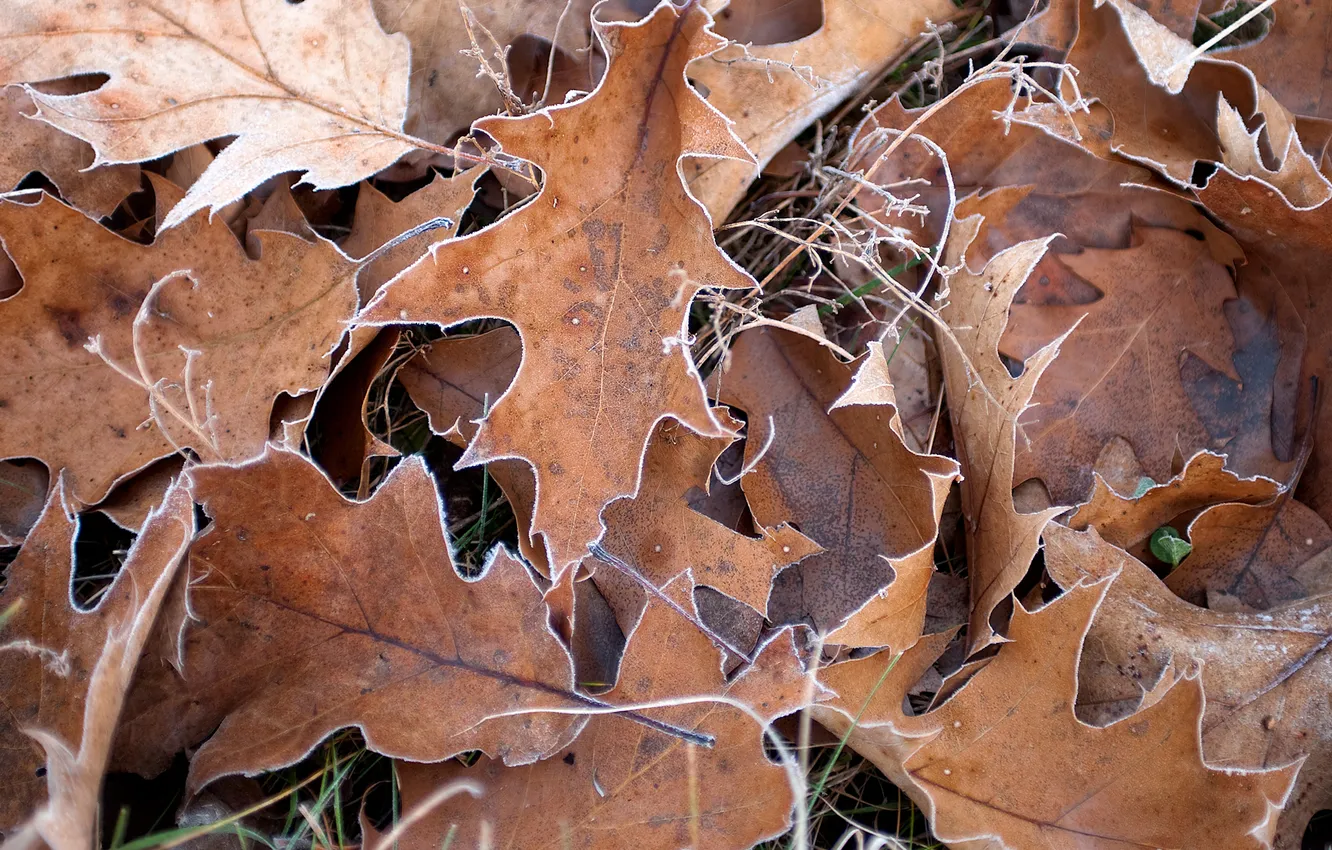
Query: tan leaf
1005, 762
447, 93
31, 145
621, 785
1128, 521
378, 221
1261, 556
985, 402
1297, 38
658, 534
252, 329
773, 92
1287, 248
456, 381
312, 87
1265, 676
597, 273
66, 671
315, 613
836, 467
23, 487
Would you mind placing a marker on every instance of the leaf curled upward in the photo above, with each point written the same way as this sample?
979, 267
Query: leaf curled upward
1006, 762
66, 672
313, 87
597, 273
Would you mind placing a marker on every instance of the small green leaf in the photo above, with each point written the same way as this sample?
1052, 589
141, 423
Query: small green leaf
1169, 546
1144, 484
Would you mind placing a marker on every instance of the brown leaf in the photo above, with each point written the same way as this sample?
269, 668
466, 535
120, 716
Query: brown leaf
447, 93
1297, 38
1128, 521
657, 533
23, 487
456, 381
378, 221
253, 329
315, 613
1287, 248
1157, 304
597, 272
1262, 556
621, 785
835, 467
1005, 762
31, 145
985, 402
66, 671
1265, 676
773, 92
313, 87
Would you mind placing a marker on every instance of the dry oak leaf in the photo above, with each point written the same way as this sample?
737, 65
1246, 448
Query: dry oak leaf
64, 671
1128, 521
1154, 306
1173, 111
1259, 556
314, 613
773, 92
623, 785
597, 272
985, 402
447, 92
219, 344
1266, 676
1297, 38
23, 486
1006, 763
660, 535
379, 220
1238, 415
312, 87
31, 145
251, 329
456, 381
1287, 248
837, 468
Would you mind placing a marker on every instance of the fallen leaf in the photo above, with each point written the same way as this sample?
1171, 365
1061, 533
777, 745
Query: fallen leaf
835, 466
23, 487
315, 87
1265, 676
1287, 247
315, 613
1297, 38
621, 785
1127, 521
597, 273
66, 671
379, 221
985, 402
773, 92
456, 381
31, 145
447, 93
660, 536
69, 407
1263, 556
1141, 782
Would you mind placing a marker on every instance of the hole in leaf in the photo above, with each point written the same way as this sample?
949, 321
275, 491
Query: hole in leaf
1318, 834
100, 547
77, 84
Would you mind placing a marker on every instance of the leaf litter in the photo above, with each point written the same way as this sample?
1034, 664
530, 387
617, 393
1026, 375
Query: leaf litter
711, 424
